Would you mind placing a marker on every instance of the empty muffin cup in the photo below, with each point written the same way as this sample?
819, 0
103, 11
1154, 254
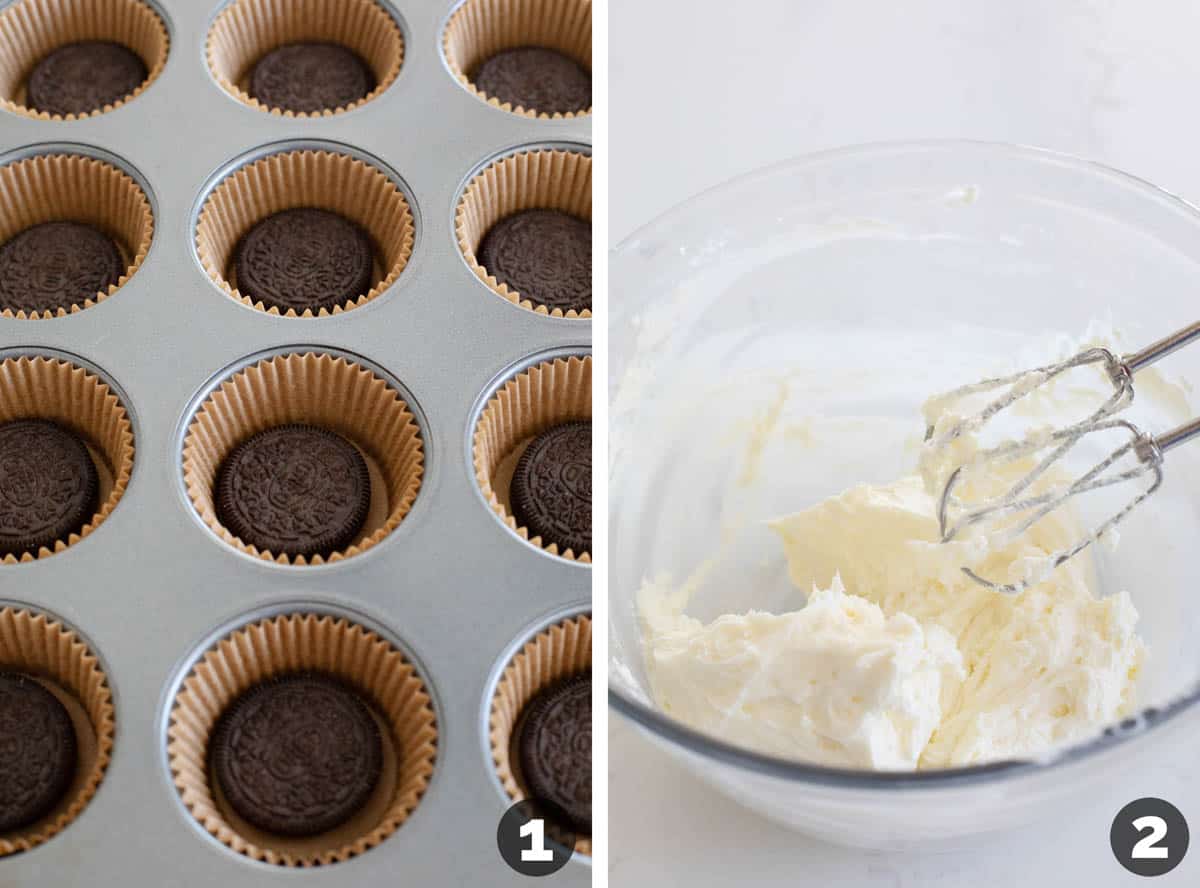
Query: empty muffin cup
247, 30
39, 646
559, 652
549, 393
75, 188
330, 392
73, 397
32, 29
479, 29
539, 179
325, 180
318, 644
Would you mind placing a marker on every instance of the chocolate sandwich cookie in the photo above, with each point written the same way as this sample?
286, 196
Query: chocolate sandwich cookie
310, 77
555, 749
38, 751
57, 265
298, 755
294, 490
304, 258
49, 486
536, 79
545, 255
83, 77
551, 490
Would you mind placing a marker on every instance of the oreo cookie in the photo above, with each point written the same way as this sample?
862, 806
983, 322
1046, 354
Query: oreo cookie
57, 265
49, 487
83, 77
304, 258
310, 77
551, 489
297, 756
554, 747
294, 490
38, 751
545, 255
536, 79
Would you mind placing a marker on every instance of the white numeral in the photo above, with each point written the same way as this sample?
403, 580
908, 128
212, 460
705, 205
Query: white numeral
1147, 847
539, 853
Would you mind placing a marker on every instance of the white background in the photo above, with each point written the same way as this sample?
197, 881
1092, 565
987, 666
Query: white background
701, 91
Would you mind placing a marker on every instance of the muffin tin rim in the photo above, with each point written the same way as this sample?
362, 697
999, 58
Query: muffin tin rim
286, 146
578, 608
385, 5
316, 604
430, 464
495, 157
481, 401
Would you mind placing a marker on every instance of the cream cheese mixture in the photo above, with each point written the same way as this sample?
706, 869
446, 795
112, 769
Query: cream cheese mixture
898, 660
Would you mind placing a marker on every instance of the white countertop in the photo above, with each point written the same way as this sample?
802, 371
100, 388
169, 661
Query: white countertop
703, 91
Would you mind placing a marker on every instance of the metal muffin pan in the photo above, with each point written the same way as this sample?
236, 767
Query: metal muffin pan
453, 587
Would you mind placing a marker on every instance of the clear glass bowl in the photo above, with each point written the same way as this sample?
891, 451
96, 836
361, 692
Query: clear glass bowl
913, 259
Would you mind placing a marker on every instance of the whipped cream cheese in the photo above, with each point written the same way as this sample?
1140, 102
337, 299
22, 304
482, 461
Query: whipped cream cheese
898, 660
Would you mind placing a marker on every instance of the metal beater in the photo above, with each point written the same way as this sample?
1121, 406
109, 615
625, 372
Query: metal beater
1020, 506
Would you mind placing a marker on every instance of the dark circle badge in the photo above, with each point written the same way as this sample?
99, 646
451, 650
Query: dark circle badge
1149, 837
545, 255
294, 490
37, 751
57, 265
297, 756
304, 258
310, 77
551, 489
533, 839
48, 485
83, 77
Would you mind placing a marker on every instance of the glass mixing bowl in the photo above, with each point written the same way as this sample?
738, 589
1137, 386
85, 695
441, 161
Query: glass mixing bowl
876, 275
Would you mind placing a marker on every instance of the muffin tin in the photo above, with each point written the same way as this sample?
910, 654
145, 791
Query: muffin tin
153, 588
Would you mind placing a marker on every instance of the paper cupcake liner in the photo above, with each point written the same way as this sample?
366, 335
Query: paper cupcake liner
554, 654
37, 645
305, 642
31, 29
555, 180
75, 188
246, 30
323, 179
479, 29
37, 387
545, 395
322, 390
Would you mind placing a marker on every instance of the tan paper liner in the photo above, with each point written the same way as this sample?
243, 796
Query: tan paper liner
322, 390
31, 29
481, 28
53, 389
37, 645
246, 30
557, 653
74, 188
298, 643
545, 395
555, 180
321, 179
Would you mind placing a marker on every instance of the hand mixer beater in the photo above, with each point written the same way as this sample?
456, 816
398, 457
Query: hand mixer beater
1006, 514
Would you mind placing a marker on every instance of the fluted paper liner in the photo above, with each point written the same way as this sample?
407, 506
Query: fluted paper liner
545, 395
31, 29
37, 387
75, 188
553, 180
555, 654
321, 390
37, 645
322, 179
305, 642
246, 30
479, 29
